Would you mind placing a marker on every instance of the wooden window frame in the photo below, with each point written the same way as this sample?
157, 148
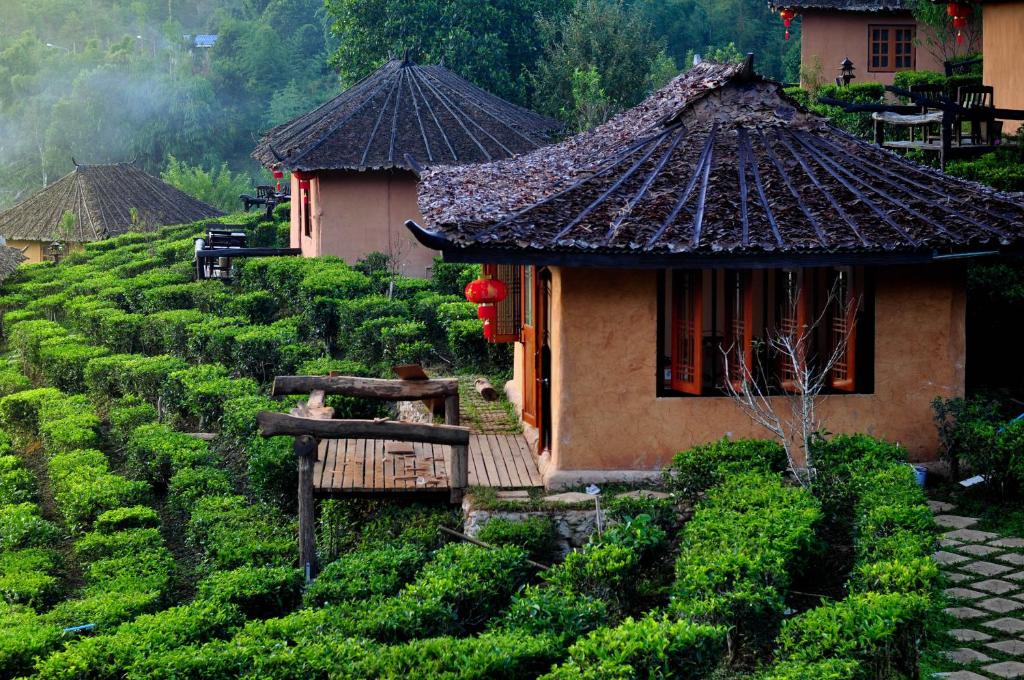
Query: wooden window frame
843, 322
793, 316
305, 211
687, 319
890, 46
739, 326
510, 309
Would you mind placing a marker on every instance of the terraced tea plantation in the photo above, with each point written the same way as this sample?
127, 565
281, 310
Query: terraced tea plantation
131, 549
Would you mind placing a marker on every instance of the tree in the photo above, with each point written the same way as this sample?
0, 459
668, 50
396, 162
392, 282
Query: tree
939, 36
601, 51
750, 386
489, 42
218, 187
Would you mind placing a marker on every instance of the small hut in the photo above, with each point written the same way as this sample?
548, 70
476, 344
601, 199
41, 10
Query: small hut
106, 200
660, 253
354, 159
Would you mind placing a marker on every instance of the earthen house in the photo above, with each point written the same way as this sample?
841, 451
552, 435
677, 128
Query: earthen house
880, 37
651, 259
353, 159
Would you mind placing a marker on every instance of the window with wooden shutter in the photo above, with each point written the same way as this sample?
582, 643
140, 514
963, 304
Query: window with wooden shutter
739, 327
687, 321
845, 298
792, 324
509, 310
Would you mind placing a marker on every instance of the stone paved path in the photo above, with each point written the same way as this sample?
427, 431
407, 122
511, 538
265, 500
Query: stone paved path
986, 593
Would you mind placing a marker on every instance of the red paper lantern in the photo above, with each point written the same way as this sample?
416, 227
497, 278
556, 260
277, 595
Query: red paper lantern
486, 290
961, 13
489, 315
277, 173
787, 18
303, 178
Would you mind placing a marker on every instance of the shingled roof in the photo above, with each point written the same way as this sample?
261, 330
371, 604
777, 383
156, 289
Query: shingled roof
425, 112
101, 198
718, 166
844, 5
10, 258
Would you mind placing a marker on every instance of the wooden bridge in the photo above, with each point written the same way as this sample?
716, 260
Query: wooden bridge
383, 457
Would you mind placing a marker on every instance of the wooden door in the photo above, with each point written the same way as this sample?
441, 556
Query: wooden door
543, 320
529, 339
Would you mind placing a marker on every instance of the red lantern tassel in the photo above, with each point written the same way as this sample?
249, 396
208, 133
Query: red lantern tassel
959, 38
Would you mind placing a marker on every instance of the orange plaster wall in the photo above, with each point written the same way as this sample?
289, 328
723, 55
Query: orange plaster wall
831, 37
1001, 45
605, 412
356, 213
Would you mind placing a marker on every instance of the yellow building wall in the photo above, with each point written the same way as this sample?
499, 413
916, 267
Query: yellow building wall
606, 415
357, 213
1001, 45
33, 250
831, 37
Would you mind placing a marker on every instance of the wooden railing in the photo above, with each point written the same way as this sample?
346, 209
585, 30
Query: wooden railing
312, 421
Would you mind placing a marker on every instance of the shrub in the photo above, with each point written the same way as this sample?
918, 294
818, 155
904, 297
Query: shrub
189, 485
259, 592
84, 488
652, 647
145, 376
212, 340
16, 482
353, 313
258, 306
24, 637
273, 474
21, 526
880, 632
132, 517
364, 574
231, 533
450, 278
19, 412
26, 337
534, 535
694, 471
335, 280
102, 375
111, 656
166, 332
125, 415
26, 577
739, 553
198, 393
154, 451
63, 360
257, 350
491, 655
552, 611
78, 430
13, 380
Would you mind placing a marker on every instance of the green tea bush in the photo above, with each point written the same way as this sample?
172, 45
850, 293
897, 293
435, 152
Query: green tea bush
12, 380
21, 526
353, 313
694, 471
272, 471
84, 488
24, 637
26, 577
232, 533
154, 451
363, 574
78, 429
259, 592
538, 610
535, 535
19, 412
652, 647
166, 332
131, 517
125, 415
739, 553
114, 655
26, 337
212, 340
189, 485
257, 350
16, 482
62, 362
198, 393
880, 632
257, 306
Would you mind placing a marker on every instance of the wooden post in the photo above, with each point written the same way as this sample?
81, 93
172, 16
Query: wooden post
879, 131
305, 450
948, 121
451, 410
458, 471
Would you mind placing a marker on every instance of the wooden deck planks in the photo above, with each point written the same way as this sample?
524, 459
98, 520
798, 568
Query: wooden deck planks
362, 466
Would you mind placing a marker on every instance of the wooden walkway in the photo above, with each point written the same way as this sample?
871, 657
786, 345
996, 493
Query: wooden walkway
354, 466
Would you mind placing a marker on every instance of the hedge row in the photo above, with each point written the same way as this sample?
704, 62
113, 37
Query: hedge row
879, 628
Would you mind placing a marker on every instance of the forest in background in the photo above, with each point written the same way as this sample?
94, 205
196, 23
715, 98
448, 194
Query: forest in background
102, 81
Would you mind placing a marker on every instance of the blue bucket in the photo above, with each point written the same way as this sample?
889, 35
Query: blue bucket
920, 473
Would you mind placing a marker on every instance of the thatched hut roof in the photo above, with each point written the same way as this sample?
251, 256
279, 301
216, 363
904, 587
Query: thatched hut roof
403, 111
720, 166
101, 198
10, 258
844, 5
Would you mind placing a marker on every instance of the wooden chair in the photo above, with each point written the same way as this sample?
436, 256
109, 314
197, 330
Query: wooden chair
976, 97
934, 93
